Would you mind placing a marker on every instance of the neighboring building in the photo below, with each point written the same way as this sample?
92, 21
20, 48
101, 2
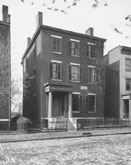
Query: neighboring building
5, 70
63, 72
118, 83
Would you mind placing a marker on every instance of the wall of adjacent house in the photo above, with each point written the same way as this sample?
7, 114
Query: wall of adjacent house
5, 71
112, 90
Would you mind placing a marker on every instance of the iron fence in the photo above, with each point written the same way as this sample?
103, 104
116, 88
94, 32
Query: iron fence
102, 123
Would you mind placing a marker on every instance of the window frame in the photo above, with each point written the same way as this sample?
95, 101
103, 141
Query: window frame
91, 50
73, 48
79, 103
87, 103
70, 74
54, 37
128, 59
128, 84
58, 71
92, 76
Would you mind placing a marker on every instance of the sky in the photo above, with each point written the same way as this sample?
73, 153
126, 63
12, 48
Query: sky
78, 18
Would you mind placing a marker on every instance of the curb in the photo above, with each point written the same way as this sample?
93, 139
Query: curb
63, 137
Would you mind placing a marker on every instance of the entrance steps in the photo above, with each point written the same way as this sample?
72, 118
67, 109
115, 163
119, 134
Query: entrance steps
71, 124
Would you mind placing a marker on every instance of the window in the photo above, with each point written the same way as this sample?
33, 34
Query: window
91, 103
56, 44
74, 48
128, 84
75, 73
55, 70
128, 64
76, 102
91, 51
91, 74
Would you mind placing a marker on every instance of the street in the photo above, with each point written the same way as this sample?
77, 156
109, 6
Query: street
99, 150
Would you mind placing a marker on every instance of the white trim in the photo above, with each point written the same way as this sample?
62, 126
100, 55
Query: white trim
92, 94
56, 36
74, 40
4, 120
75, 64
76, 93
91, 43
91, 66
56, 61
56, 52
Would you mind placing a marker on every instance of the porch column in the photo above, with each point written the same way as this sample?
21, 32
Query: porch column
70, 105
50, 105
130, 110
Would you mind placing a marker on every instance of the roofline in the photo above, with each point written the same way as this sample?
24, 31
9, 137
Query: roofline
60, 30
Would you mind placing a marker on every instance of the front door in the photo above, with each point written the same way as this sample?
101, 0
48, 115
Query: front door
58, 104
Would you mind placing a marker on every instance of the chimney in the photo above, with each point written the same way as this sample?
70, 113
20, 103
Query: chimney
39, 19
28, 41
90, 31
5, 13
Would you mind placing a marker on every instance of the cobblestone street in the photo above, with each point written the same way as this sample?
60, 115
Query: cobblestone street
102, 150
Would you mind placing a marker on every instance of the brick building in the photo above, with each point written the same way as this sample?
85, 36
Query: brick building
5, 69
64, 73
118, 83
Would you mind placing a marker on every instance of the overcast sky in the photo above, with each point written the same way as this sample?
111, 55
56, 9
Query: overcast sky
79, 18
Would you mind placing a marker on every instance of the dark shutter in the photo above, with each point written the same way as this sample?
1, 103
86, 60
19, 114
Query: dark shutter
87, 103
69, 47
69, 72
81, 74
93, 53
50, 70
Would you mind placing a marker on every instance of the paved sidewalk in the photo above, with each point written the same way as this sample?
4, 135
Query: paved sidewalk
16, 137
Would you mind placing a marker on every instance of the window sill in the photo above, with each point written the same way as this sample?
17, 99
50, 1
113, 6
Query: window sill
75, 55
75, 111
56, 79
56, 52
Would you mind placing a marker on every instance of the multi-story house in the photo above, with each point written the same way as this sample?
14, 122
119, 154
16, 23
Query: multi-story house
63, 69
118, 83
5, 70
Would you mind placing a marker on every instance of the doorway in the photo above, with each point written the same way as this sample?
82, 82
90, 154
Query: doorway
59, 104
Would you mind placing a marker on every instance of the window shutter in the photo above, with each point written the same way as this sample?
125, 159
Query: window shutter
80, 103
87, 53
93, 51
87, 103
69, 72
50, 70
81, 74
69, 47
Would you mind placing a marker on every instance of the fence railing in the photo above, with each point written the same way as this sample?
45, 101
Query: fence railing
63, 125
102, 123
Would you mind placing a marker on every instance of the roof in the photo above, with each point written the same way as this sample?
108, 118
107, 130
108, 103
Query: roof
45, 27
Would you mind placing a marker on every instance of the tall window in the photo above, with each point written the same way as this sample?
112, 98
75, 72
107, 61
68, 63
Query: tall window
91, 74
76, 102
74, 48
56, 42
75, 73
128, 64
128, 84
91, 51
91, 103
55, 71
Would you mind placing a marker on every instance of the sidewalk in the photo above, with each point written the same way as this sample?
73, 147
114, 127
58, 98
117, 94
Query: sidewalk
17, 137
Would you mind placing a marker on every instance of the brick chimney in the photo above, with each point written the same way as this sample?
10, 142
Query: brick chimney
6, 17
28, 41
90, 31
39, 19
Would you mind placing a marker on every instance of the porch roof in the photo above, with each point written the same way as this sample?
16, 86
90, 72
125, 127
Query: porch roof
50, 87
